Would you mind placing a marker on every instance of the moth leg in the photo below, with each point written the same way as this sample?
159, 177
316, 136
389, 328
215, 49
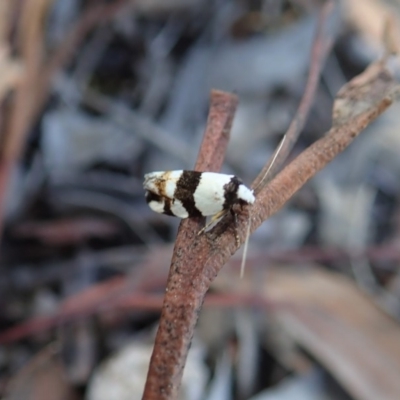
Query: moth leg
214, 218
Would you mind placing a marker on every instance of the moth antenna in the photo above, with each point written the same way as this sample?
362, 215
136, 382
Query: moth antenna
277, 151
246, 242
245, 247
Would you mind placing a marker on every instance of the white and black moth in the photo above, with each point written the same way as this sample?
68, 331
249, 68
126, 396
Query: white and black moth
187, 194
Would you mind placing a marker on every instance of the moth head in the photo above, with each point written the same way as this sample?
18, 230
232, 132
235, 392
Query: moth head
152, 181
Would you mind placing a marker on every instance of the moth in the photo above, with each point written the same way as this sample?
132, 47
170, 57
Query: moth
187, 194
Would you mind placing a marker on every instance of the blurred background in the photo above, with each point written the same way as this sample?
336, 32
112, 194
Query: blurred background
96, 93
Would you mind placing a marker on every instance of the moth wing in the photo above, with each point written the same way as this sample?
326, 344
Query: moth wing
209, 196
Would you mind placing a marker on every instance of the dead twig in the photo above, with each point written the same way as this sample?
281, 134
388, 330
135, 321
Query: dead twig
322, 45
122, 296
187, 283
197, 260
191, 272
35, 81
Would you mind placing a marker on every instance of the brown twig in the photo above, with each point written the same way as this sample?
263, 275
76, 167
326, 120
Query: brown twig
197, 261
126, 304
116, 295
35, 82
30, 34
368, 96
187, 283
321, 47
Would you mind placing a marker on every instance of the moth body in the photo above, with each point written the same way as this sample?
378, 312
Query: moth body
187, 194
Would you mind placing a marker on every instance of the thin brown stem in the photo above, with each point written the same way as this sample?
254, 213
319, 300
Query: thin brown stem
187, 283
321, 47
34, 85
380, 90
198, 259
